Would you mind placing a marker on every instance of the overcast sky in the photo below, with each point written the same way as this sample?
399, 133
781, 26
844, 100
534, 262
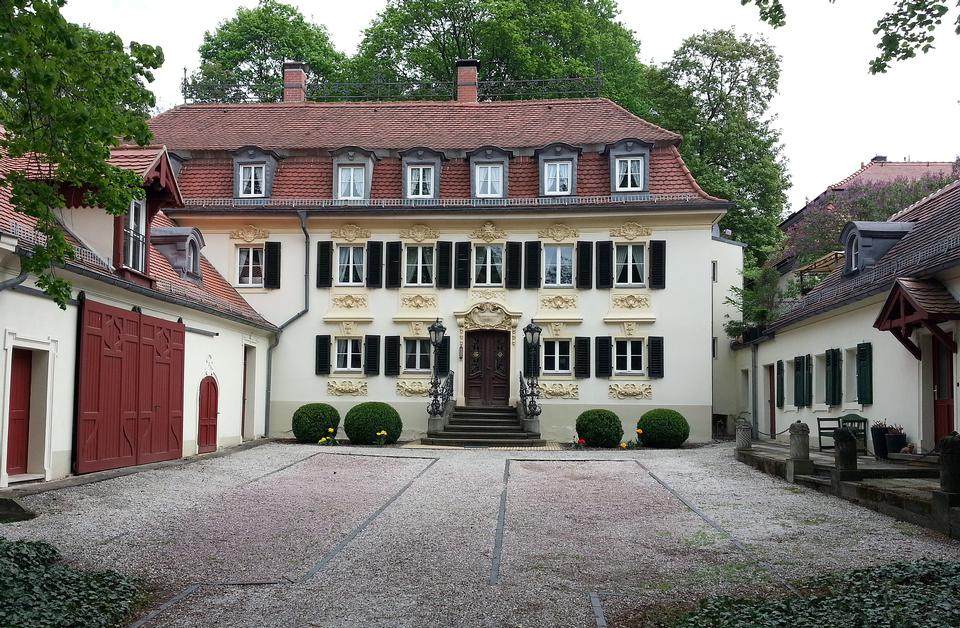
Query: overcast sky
833, 113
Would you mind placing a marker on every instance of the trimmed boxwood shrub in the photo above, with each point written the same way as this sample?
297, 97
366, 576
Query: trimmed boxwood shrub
364, 420
313, 421
600, 428
663, 428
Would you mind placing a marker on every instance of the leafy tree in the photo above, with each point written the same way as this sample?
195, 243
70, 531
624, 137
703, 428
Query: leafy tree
67, 95
908, 27
716, 92
243, 58
760, 301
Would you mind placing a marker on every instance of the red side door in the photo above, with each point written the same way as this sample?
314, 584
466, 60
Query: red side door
942, 390
18, 434
207, 434
160, 398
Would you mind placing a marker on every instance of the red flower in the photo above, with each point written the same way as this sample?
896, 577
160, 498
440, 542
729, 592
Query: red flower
581, 442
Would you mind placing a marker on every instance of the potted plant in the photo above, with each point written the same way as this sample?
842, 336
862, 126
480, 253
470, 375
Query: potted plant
878, 432
896, 439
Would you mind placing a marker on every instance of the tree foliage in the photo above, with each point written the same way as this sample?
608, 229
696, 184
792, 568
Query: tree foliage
250, 48
760, 301
716, 91
908, 27
67, 95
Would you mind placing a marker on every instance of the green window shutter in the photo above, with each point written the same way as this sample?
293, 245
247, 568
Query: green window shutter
830, 382
798, 380
808, 381
780, 399
865, 373
838, 377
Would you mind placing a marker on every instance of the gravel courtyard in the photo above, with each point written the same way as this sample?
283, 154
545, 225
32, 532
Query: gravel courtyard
294, 535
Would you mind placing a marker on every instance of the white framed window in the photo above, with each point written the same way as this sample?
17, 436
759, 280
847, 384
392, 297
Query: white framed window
851, 376
489, 180
853, 253
556, 356
629, 356
789, 373
629, 174
250, 266
419, 181
252, 177
351, 185
558, 265
416, 355
135, 236
349, 354
820, 378
488, 265
629, 264
193, 257
559, 176
349, 265
419, 266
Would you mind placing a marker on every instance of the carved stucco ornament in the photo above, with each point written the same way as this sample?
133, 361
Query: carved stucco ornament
630, 231
631, 391
557, 329
413, 387
559, 391
419, 233
346, 387
350, 232
350, 301
631, 301
418, 301
559, 302
249, 233
488, 316
559, 232
488, 294
488, 233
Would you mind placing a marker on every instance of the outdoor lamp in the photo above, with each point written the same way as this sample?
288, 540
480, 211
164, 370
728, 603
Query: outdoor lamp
438, 331
531, 332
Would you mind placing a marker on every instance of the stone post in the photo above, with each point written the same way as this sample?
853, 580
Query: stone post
744, 434
799, 462
845, 450
950, 464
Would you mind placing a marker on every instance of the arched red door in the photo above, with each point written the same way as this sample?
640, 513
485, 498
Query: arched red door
207, 435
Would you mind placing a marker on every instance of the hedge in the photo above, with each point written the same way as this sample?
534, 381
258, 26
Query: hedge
313, 421
600, 428
663, 428
364, 420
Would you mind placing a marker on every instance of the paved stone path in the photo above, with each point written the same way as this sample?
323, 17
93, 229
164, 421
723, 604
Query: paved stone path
292, 535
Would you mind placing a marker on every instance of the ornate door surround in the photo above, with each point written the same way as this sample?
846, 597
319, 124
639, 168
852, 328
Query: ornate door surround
488, 315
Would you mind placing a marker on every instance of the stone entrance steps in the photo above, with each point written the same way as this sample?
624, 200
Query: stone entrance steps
484, 427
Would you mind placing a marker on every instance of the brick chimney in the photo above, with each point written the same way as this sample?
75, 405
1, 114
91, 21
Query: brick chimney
467, 80
294, 81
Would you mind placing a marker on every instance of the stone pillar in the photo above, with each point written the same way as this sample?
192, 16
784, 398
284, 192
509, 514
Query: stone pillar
799, 462
845, 450
950, 464
744, 434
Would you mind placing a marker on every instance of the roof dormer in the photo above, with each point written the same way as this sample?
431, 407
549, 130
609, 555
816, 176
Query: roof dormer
557, 164
489, 172
865, 242
629, 167
421, 173
253, 172
352, 173
181, 247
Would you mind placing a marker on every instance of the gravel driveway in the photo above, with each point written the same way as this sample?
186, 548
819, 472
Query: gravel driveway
294, 535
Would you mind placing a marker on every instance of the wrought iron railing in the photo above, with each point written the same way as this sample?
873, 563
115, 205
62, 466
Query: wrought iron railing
572, 87
529, 393
441, 392
325, 91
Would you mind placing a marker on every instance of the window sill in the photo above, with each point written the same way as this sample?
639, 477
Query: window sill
557, 377
640, 377
852, 405
358, 373
246, 289
559, 286
487, 285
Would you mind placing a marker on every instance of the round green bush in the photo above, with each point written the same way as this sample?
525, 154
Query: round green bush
313, 421
663, 428
364, 420
600, 428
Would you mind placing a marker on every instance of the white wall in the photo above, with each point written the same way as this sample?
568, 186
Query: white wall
729, 258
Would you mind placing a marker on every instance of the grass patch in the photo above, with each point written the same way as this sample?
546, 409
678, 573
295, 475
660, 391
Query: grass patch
703, 539
40, 590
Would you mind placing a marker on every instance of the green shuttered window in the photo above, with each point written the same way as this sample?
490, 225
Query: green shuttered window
865, 373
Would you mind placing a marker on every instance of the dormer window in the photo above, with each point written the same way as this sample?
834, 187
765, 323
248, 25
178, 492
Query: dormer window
558, 169
181, 247
489, 180
630, 174
252, 178
419, 181
193, 258
351, 182
558, 174
853, 253
629, 167
489, 172
135, 236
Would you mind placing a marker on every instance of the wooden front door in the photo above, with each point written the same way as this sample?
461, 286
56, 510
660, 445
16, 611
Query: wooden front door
487, 368
19, 417
772, 399
942, 390
207, 435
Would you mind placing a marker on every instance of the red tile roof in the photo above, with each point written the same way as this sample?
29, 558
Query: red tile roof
890, 171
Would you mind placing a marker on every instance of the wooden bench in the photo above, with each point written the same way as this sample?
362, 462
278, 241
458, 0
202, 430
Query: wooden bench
853, 422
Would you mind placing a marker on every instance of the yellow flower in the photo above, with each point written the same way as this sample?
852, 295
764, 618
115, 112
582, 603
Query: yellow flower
323, 440
623, 445
639, 431
331, 430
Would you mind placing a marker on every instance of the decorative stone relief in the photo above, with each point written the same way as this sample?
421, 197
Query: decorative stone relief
346, 387
250, 233
630, 231
347, 328
559, 232
557, 329
488, 316
559, 302
350, 301
419, 233
631, 390
488, 233
413, 387
629, 329
350, 232
418, 328
488, 294
209, 364
559, 391
631, 301
418, 301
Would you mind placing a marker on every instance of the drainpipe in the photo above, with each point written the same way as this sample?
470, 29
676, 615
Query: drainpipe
16, 281
754, 370
302, 215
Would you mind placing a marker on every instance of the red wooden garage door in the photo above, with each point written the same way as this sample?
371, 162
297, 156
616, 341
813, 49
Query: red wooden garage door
130, 401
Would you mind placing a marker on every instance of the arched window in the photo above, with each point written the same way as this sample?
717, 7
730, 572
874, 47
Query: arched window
853, 253
193, 257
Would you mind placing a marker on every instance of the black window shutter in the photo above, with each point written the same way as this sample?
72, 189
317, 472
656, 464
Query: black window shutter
798, 380
829, 381
514, 262
444, 264
461, 277
394, 265
443, 357
808, 380
371, 355
531, 359
838, 374
374, 264
584, 265
604, 353
271, 265
655, 356
324, 264
780, 377
581, 357
391, 355
658, 264
605, 264
532, 263
865, 373
323, 355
